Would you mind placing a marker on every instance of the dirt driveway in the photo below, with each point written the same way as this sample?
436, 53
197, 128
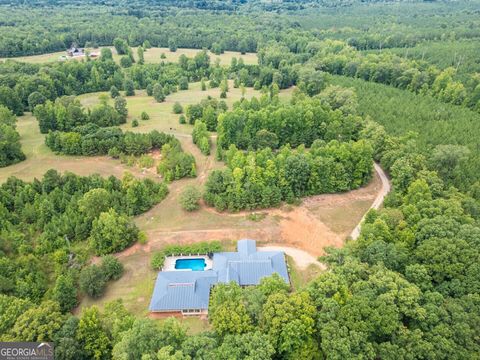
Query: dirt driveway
318, 222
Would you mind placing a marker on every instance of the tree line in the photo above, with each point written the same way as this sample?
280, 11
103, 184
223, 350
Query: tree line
386, 68
10, 147
263, 178
90, 139
256, 124
51, 227
66, 113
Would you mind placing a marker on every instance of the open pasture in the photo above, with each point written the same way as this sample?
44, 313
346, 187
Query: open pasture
151, 56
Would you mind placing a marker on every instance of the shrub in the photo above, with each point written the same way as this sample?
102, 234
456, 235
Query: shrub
177, 108
183, 83
129, 87
256, 216
172, 45
128, 160
134, 123
175, 163
114, 92
204, 145
111, 267
163, 56
167, 89
182, 119
125, 61
92, 281
200, 137
145, 161
157, 260
158, 93
189, 199
144, 116
142, 238
114, 152
204, 247
150, 89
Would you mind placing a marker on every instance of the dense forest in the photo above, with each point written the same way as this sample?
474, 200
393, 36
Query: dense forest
395, 82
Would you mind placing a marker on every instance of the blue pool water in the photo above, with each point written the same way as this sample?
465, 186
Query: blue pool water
192, 264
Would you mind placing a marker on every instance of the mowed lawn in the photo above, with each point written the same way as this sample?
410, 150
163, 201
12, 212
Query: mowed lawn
151, 56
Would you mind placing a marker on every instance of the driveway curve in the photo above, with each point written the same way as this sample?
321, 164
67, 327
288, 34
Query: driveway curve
302, 258
378, 200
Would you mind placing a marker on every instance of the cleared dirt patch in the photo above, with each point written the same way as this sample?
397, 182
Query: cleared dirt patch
320, 221
302, 259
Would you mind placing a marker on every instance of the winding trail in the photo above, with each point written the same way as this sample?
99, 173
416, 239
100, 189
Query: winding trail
378, 200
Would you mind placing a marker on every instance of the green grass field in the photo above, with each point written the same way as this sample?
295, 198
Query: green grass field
152, 56
161, 116
40, 158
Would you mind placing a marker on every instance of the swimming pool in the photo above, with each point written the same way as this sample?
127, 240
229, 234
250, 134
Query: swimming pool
196, 264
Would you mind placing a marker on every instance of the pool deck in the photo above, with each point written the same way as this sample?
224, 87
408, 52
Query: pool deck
169, 264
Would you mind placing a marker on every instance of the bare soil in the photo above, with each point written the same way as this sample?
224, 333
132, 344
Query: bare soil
318, 222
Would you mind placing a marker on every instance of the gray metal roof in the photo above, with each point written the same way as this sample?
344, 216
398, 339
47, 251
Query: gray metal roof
248, 268
178, 290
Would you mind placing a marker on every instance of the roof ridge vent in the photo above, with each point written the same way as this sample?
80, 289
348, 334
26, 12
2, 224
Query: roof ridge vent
181, 284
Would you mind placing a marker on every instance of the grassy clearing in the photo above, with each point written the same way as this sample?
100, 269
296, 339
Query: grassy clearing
38, 59
161, 115
331, 208
170, 216
40, 158
335, 218
134, 287
151, 56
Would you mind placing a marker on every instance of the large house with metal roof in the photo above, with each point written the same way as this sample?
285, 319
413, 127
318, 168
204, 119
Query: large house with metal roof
187, 291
